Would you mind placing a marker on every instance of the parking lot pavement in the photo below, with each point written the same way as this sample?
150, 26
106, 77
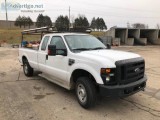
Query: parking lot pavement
35, 98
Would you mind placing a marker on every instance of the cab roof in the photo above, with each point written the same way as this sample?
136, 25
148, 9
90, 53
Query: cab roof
63, 34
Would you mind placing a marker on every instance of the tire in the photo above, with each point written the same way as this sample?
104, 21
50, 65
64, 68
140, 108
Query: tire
27, 69
86, 92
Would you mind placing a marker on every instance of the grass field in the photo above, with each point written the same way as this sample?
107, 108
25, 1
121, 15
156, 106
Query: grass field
97, 34
13, 36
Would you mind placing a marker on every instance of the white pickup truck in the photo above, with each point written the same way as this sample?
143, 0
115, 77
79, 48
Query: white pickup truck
81, 62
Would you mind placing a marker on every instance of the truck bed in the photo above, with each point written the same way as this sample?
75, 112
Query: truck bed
31, 54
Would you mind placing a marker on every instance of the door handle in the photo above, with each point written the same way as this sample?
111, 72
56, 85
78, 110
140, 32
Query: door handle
46, 57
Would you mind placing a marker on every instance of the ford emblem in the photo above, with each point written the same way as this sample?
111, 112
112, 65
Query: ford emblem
137, 70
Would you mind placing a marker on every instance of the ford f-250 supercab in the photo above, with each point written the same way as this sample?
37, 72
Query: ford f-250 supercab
81, 62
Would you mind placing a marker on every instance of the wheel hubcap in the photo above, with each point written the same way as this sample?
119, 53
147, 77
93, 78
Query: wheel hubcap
81, 92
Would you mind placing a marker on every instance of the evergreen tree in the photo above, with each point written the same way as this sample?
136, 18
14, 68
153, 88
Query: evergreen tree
93, 23
100, 24
43, 21
18, 21
24, 21
39, 21
29, 21
47, 21
62, 23
81, 23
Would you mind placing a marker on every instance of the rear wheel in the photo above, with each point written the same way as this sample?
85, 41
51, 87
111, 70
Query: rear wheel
86, 92
27, 69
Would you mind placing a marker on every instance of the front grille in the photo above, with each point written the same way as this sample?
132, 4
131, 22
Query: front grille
131, 70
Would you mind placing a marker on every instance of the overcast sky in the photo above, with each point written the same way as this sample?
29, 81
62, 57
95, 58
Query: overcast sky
114, 12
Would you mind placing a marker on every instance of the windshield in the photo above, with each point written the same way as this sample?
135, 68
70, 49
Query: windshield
83, 42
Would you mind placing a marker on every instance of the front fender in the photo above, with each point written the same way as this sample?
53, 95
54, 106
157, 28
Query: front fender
92, 71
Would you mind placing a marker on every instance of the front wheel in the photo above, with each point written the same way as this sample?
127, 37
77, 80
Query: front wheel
27, 69
86, 92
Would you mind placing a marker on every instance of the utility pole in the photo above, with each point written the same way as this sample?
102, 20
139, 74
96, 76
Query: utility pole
6, 10
6, 14
69, 18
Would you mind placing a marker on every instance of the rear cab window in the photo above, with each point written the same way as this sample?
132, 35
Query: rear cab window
44, 43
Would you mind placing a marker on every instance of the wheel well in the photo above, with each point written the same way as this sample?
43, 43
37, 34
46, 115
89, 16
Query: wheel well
24, 58
79, 73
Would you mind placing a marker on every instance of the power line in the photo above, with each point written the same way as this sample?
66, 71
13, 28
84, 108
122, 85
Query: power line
115, 7
103, 13
97, 5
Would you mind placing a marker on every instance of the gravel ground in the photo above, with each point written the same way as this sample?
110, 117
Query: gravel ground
35, 98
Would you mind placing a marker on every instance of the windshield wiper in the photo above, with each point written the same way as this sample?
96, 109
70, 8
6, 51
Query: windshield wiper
98, 48
82, 49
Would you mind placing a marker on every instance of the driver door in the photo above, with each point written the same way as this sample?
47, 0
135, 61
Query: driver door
56, 66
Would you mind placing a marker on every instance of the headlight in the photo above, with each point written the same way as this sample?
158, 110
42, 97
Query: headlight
107, 78
107, 75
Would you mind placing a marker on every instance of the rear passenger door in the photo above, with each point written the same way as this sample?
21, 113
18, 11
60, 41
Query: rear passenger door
57, 65
42, 53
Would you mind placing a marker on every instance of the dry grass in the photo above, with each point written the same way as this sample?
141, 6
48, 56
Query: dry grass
12, 36
97, 34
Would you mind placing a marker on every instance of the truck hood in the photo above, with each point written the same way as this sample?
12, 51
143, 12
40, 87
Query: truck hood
112, 55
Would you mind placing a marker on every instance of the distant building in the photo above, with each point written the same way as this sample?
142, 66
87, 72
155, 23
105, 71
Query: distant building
133, 36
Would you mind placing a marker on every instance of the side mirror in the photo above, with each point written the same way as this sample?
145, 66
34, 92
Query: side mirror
62, 52
108, 46
53, 51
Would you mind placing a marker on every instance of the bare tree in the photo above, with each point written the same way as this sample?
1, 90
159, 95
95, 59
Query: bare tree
72, 18
158, 26
128, 25
140, 26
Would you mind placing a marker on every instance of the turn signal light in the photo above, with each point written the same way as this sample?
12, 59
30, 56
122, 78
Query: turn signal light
105, 70
108, 70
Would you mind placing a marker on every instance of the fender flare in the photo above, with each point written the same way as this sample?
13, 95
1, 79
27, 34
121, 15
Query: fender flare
87, 68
